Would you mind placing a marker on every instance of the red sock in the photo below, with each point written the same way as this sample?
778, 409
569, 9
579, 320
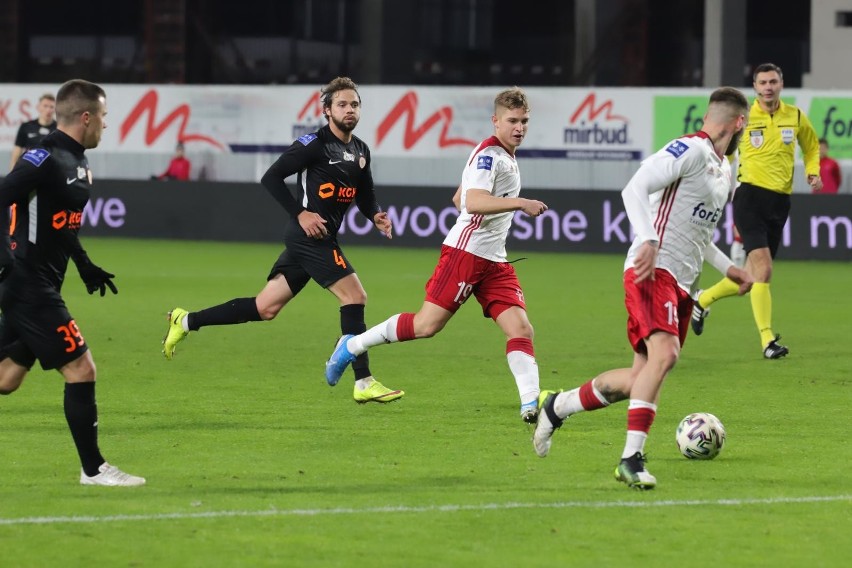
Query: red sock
640, 419
589, 399
521, 344
405, 327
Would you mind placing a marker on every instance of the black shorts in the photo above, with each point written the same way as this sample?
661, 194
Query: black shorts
306, 258
760, 215
45, 326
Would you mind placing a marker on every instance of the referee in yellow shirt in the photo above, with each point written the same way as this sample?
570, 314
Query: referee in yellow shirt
762, 201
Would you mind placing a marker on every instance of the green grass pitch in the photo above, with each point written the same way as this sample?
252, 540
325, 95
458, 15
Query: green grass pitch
252, 460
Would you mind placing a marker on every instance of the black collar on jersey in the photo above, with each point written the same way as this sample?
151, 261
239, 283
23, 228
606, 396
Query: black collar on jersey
61, 140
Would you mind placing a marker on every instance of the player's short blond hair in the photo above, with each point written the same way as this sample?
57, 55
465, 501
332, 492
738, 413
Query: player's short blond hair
512, 98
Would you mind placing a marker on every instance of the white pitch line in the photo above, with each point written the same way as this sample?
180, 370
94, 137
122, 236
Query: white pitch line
424, 509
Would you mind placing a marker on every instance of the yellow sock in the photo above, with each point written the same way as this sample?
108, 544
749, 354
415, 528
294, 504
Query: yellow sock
761, 305
721, 289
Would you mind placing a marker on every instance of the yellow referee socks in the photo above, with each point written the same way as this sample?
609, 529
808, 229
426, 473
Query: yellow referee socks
721, 289
761, 306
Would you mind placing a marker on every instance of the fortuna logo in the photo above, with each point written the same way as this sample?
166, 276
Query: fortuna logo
595, 134
711, 215
148, 104
407, 106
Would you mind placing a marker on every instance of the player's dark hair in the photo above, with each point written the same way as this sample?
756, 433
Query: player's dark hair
824, 141
730, 97
512, 98
337, 84
765, 68
48, 96
76, 97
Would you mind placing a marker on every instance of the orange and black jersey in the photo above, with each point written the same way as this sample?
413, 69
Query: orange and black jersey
42, 201
331, 175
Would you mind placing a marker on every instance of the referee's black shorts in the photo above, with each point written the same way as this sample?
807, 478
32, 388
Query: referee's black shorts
307, 259
760, 215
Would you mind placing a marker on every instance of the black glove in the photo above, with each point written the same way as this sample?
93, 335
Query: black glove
96, 278
7, 262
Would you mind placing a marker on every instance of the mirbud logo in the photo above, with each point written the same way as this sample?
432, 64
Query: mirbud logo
587, 127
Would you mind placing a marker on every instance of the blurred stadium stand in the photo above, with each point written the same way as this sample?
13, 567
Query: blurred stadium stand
464, 42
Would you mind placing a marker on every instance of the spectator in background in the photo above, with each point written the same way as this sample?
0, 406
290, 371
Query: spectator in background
31, 133
829, 171
179, 166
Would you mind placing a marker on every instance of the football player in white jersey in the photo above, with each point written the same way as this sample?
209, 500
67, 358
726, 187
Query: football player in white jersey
674, 202
473, 258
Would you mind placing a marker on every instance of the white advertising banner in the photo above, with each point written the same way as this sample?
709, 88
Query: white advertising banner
578, 138
428, 122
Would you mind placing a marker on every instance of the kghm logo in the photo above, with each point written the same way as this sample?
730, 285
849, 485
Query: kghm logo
587, 113
70, 219
326, 190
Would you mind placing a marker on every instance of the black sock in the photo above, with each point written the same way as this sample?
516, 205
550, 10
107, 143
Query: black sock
238, 310
352, 322
81, 412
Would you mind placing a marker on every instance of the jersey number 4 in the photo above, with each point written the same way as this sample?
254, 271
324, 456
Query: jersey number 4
339, 260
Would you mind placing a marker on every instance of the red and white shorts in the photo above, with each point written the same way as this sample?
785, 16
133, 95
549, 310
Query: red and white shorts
655, 305
460, 274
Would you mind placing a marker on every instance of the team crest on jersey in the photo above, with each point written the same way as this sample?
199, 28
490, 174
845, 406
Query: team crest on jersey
307, 138
787, 135
362, 162
677, 148
484, 163
756, 138
36, 156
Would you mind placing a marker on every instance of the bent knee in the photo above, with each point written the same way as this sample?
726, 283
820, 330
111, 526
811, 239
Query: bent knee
358, 297
428, 330
268, 312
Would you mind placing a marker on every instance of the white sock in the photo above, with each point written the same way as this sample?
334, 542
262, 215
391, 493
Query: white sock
567, 403
635, 443
636, 438
362, 384
184, 323
525, 370
384, 332
738, 254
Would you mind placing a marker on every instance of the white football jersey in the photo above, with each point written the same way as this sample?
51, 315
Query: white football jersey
492, 168
688, 186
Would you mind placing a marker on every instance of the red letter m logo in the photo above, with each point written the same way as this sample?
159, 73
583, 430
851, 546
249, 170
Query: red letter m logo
407, 106
148, 104
588, 105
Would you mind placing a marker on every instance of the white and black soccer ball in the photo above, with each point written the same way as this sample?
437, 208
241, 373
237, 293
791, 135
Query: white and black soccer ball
700, 436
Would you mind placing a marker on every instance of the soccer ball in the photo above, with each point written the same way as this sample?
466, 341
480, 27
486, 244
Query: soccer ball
700, 436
